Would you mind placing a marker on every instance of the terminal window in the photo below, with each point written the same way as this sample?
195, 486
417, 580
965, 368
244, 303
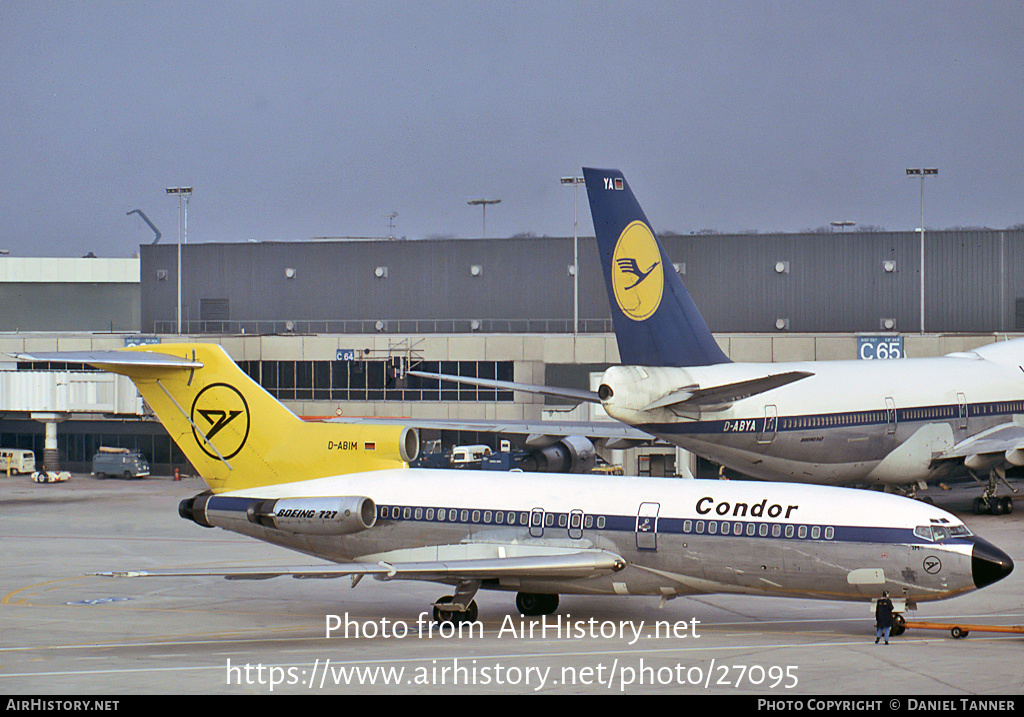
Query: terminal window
382, 380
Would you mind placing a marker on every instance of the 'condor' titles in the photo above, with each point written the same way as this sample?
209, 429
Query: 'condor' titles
707, 505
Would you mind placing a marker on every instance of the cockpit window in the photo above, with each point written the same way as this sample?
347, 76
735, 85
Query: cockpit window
937, 533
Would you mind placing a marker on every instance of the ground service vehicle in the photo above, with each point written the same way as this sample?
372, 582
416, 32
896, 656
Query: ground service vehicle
17, 460
119, 462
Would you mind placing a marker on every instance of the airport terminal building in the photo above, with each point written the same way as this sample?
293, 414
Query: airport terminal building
330, 326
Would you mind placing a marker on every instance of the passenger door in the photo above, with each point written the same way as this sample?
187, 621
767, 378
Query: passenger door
771, 424
647, 526
890, 416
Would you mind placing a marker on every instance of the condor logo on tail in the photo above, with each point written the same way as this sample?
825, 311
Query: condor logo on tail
216, 408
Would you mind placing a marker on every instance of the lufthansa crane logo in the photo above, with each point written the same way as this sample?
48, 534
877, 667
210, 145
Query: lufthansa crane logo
222, 414
637, 273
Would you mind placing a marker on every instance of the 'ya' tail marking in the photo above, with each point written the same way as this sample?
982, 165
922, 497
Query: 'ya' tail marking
656, 321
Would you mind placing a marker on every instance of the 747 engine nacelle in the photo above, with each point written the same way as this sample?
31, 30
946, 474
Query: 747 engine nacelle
569, 454
315, 516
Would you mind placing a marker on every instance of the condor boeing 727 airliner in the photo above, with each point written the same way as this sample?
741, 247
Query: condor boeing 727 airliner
345, 494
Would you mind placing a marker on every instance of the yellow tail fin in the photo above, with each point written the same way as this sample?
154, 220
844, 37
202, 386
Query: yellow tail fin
235, 433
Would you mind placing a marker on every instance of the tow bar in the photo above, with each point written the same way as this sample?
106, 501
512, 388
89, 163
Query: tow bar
959, 630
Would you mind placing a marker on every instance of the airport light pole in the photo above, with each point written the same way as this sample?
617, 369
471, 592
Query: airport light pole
483, 203
575, 182
922, 173
183, 195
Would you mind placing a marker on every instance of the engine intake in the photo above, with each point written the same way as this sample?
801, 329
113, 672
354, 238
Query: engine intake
571, 454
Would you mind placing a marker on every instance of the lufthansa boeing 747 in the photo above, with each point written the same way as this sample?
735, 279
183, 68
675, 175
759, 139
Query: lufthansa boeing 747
896, 424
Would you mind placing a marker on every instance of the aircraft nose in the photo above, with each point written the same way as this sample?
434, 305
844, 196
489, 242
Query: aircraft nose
989, 564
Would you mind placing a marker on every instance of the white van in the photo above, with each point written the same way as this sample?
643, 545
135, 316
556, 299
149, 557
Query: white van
465, 456
17, 460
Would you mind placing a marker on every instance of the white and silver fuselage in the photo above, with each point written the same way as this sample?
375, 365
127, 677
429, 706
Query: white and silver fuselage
850, 422
675, 537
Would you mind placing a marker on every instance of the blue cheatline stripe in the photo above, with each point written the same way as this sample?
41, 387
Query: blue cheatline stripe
724, 526
665, 525
230, 505
848, 419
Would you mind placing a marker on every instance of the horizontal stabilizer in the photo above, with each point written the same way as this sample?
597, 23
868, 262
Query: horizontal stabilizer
573, 394
726, 394
581, 564
114, 358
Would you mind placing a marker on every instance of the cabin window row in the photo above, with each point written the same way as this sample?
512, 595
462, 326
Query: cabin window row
908, 414
577, 520
839, 419
917, 414
762, 530
998, 408
536, 519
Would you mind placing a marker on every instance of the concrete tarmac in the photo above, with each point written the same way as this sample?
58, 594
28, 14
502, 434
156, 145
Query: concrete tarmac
66, 632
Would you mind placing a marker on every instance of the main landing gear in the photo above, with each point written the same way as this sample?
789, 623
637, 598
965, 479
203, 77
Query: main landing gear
989, 502
446, 610
461, 607
531, 604
996, 505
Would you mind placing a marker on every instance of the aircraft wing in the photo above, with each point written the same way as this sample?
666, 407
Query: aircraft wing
689, 396
1005, 438
725, 394
612, 432
559, 566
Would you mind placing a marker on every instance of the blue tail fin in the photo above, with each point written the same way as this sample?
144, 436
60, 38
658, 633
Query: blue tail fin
656, 321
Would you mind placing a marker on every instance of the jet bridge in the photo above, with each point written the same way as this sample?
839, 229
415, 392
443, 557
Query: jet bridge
52, 397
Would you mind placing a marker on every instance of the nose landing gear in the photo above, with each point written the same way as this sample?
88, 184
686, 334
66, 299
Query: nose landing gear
447, 610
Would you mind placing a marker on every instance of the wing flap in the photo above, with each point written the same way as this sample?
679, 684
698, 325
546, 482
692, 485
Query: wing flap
574, 565
1004, 438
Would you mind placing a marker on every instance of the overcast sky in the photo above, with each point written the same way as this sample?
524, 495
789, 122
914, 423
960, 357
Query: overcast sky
295, 120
